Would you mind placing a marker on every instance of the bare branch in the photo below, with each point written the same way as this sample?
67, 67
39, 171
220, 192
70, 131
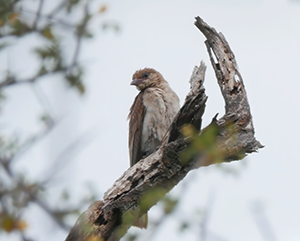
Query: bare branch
12, 81
80, 32
145, 183
237, 108
30, 143
68, 153
262, 221
49, 18
58, 8
38, 14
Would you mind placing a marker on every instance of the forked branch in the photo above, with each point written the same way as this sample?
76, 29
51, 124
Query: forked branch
183, 149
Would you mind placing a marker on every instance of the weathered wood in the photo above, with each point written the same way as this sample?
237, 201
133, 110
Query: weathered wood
240, 138
145, 183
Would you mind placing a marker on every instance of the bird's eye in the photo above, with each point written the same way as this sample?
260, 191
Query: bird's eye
146, 75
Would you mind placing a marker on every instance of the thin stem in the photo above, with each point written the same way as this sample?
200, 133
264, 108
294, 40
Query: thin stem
44, 102
10, 81
80, 34
38, 14
56, 20
58, 8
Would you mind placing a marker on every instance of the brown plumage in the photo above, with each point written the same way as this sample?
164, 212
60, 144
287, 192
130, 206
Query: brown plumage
150, 117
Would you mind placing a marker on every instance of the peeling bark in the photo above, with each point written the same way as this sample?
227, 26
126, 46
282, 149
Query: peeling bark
145, 183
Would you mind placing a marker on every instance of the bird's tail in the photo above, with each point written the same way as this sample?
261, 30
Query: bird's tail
142, 222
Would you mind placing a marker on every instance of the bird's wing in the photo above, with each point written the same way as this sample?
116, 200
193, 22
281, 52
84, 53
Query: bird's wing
136, 119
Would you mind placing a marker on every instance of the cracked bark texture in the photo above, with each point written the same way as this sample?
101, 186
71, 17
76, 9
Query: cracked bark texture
145, 183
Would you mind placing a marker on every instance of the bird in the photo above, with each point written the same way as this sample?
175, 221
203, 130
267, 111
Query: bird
150, 117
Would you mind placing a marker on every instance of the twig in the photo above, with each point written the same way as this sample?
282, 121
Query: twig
262, 222
80, 32
58, 8
60, 21
38, 14
50, 212
11, 82
73, 148
206, 216
44, 102
29, 144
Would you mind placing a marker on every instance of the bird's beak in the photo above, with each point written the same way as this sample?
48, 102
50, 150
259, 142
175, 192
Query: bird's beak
136, 82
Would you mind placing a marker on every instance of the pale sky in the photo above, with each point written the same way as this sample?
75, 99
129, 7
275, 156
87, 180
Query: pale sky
265, 38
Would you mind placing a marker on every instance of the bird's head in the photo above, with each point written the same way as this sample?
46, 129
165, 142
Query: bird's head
147, 77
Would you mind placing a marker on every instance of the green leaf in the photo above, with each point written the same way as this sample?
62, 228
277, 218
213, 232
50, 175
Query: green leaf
19, 28
72, 4
65, 195
49, 51
131, 237
204, 143
81, 29
169, 204
184, 226
88, 34
151, 197
74, 78
51, 57
46, 119
7, 8
47, 33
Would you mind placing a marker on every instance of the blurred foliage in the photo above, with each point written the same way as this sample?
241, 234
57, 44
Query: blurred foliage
169, 204
14, 23
151, 197
17, 190
94, 238
10, 223
204, 143
50, 56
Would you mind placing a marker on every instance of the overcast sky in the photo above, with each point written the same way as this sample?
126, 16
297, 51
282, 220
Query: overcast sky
265, 38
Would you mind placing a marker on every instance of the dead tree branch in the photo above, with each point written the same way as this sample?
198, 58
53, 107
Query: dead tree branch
144, 184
